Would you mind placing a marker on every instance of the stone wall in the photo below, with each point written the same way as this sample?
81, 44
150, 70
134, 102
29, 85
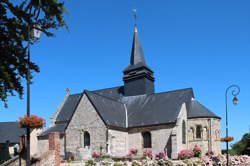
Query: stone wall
210, 134
182, 117
87, 119
160, 136
43, 145
118, 143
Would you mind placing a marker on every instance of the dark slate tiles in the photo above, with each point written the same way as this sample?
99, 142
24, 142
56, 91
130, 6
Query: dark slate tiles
10, 131
197, 110
69, 107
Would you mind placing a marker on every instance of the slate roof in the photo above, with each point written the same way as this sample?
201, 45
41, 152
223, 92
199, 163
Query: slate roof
10, 131
137, 57
126, 111
142, 110
56, 128
197, 110
70, 104
111, 111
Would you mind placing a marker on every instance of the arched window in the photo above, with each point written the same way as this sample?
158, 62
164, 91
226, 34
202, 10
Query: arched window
198, 131
146, 139
86, 139
183, 132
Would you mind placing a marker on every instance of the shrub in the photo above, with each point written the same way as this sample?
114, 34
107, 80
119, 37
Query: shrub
70, 158
147, 153
105, 156
95, 155
117, 164
160, 155
133, 151
90, 163
209, 153
136, 163
197, 151
185, 154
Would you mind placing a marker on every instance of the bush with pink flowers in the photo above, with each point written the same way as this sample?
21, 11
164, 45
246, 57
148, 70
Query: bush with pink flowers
210, 152
147, 153
185, 154
132, 152
161, 155
197, 151
96, 155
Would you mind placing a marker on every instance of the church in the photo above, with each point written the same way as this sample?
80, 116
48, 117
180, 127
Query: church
114, 120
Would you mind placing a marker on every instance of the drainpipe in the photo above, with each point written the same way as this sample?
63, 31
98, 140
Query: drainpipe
107, 140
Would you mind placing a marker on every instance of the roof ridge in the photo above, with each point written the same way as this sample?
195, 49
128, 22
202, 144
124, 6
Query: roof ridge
109, 98
76, 94
177, 90
105, 88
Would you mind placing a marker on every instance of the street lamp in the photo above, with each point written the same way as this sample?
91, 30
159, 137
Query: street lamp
235, 90
33, 34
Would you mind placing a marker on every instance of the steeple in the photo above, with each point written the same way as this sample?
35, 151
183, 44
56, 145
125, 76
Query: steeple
136, 52
138, 77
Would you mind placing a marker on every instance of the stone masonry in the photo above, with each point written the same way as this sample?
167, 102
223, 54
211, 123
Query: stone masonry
86, 118
210, 134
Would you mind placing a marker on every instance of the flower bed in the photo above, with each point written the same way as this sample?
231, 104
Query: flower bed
31, 121
219, 160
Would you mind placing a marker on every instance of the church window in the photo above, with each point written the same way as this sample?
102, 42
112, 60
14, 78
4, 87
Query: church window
198, 131
183, 132
146, 139
86, 139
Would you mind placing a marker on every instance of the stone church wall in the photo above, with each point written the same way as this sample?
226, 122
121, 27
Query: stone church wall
118, 143
86, 118
210, 134
160, 136
182, 117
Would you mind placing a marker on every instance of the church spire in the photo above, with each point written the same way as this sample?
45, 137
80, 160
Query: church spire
136, 51
138, 77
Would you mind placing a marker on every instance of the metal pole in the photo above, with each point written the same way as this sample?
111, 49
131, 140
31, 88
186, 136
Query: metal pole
227, 127
28, 102
234, 93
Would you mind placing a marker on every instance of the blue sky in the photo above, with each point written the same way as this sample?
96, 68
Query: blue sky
200, 44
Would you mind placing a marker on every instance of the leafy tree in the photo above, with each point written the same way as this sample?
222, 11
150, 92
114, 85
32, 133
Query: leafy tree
17, 19
239, 147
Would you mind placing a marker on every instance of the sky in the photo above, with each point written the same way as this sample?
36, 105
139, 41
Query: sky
200, 44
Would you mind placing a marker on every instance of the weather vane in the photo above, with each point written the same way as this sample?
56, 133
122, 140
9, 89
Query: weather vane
135, 14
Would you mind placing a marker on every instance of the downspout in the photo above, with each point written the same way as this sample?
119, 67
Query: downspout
126, 116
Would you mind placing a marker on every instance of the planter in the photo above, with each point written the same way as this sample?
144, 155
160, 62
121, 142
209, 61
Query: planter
227, 139
31, 122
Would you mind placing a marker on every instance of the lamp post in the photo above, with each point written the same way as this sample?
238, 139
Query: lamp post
235, 90
33, 34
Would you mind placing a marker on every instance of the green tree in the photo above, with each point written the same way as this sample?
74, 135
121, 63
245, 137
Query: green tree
16, 19
239, 147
